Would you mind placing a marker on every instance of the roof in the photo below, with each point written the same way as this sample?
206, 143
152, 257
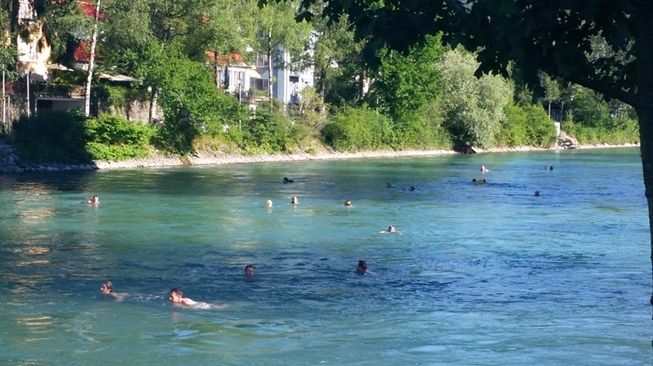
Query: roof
231, 58
117, 78
89, 10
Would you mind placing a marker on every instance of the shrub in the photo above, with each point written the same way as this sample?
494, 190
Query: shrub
513, 128
52, 137
540, 130
353, 129
267, 132
191, 103
526, 126
422, 130
114, 138
304, 137
626, 133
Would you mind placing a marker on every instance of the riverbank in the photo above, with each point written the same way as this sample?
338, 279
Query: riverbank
222, 159
10, 163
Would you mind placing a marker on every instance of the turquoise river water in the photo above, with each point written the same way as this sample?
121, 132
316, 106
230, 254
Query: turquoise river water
479, 274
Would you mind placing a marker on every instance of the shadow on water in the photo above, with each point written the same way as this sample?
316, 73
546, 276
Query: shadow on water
60, 181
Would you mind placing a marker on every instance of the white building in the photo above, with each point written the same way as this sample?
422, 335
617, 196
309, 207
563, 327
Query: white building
243, 80
287, 81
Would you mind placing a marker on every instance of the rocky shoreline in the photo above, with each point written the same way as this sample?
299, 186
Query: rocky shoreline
9, 162
222, 159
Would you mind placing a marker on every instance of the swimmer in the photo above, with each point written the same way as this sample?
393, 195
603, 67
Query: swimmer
348, 203
294, 200
390, 230
479, 181
250, 271
361, 268
106, 289
409, 188
389, 185
268, 204
93, 200
176, 296
286, 180
537, 193
484, 169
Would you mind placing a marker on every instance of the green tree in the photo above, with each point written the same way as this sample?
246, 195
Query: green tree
339, 67
588, 108
225, 26
278, 32
473, 106
552, 92
358, 128
138, 31
191, 103
407, 82
64, 24
559, 37
7, 53
127, 34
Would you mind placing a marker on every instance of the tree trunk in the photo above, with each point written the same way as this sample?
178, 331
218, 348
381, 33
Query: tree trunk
216, 71
91, 62
644, 106
270, 77
153, 105
4, 103
562, 111
645, 115
549, 109
361, 85
270, 67
29, 110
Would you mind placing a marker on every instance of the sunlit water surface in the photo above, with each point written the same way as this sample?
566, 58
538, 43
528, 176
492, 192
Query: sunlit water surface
480, 274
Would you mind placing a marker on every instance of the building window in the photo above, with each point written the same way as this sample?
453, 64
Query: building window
261, 84
294, 78
261, 60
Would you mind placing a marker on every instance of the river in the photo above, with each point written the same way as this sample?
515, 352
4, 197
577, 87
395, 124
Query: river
483, 274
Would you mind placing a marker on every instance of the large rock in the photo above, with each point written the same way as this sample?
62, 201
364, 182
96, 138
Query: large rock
567, 142
9, 162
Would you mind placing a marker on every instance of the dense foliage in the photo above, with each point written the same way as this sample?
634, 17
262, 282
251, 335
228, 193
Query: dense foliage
52, 137
525, 126
367, 95
114, 139
353, 129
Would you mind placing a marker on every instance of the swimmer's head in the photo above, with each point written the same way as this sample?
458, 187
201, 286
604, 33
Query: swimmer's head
361, 267
176, 295
250, 270
106, 287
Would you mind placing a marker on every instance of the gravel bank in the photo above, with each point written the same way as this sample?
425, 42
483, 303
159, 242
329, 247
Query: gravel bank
13, 166
208, 160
